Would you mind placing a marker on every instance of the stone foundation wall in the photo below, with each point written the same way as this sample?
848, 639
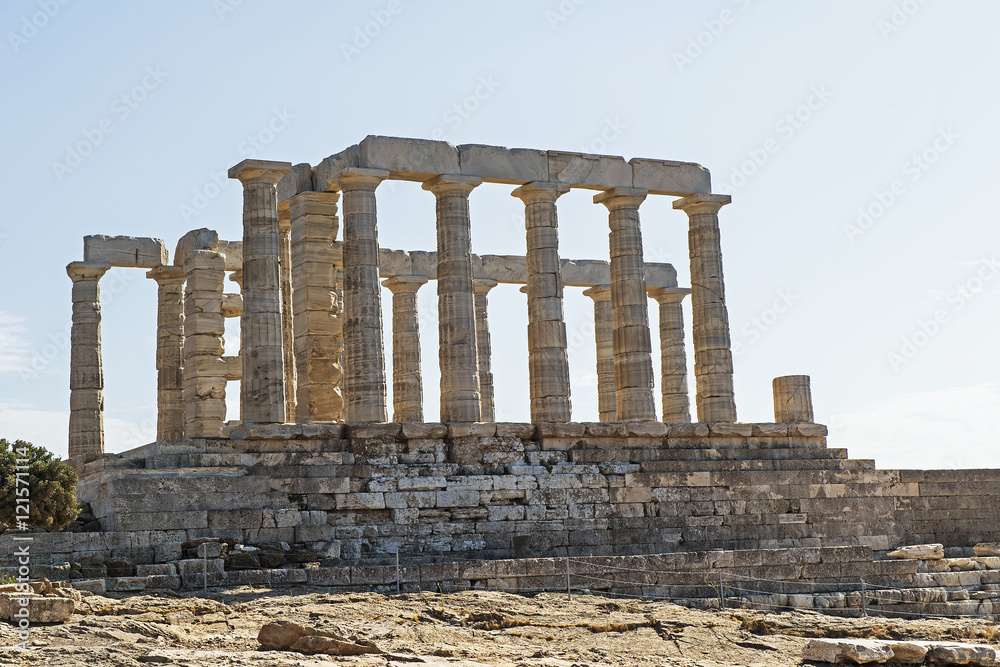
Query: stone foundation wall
500, 491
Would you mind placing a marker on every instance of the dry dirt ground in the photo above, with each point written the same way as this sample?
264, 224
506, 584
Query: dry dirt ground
468, 628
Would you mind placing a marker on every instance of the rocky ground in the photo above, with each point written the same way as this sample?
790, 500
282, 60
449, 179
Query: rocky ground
468, 628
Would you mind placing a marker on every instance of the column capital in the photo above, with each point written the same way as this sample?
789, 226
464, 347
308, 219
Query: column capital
356, 178
78, 271
483, 285
443, 183
621, 197
668, 294
237, 277
540, 191
598, 292
260, 171
702, 203
167, 274
404, 283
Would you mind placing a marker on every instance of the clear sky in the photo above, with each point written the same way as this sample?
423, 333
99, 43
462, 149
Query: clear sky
857, 138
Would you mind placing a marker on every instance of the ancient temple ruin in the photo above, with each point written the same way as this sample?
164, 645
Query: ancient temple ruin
317, 457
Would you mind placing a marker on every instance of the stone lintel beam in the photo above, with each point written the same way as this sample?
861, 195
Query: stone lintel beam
125, 251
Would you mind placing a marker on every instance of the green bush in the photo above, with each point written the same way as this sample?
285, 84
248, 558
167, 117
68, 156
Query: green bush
50, 484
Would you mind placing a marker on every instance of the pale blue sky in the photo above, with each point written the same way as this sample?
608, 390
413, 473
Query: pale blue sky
805, 112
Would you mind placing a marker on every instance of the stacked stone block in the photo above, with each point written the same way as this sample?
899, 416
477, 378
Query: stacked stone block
86, 375
169, 351
205, 369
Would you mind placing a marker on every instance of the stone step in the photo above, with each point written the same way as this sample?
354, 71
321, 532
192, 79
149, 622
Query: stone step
201, 460
689, 454
705, 443
208, 471
758, 465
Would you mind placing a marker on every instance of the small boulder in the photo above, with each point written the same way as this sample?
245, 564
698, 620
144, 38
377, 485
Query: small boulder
919, 552
288, 636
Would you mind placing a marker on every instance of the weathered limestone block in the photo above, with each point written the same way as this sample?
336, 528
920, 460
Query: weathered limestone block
858, 651
40, 609
919, 551
630, 336
262, 388
666, 177
409, 159
298, 180
503, 165
407, 385
125, 251
364, 386
460, 398
585, 170
287, 324
317, 319
987, 549
792, 399
86, 379
196, 239
713, 359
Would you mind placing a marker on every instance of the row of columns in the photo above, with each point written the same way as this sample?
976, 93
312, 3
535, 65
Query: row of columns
466, 383
291, 310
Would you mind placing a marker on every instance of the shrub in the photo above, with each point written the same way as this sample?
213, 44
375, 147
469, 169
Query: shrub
50, 484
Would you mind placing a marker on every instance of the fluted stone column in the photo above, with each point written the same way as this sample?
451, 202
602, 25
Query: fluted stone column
262, 389
86, 374
673, 359
287, 331
407, 386
603, 328
629, 308
460, 399
484, 352
713, 358
548, 362
205, 369
792, 399
317, 317
169, 351
364, 360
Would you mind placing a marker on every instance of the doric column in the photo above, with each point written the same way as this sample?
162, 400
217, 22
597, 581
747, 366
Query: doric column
792, 399
205, 369
364, 360
86, 373
407, 387
548, 362
603, 327
262, 389
317, 318
713, 357
169, 351
484, 352
460, 401
673, 360
287, 331
629, 308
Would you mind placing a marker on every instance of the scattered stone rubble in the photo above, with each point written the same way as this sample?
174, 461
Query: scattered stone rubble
863, 651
